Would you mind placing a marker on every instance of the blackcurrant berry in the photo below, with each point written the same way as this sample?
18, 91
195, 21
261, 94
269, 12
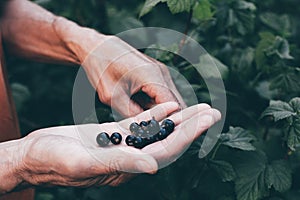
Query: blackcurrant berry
169, 125
134, 127
153, 127
143, 124
150, 140
140, 132
102, 139
162, 134
130, 140
139, 143
116, 138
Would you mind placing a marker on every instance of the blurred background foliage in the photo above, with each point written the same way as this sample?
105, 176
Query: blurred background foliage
256, 46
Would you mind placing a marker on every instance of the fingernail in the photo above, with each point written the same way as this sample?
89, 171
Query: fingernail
144, 166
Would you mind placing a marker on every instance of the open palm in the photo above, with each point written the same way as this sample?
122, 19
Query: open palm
70, 156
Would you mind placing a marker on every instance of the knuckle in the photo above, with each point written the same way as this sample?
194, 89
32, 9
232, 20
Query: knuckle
105, 98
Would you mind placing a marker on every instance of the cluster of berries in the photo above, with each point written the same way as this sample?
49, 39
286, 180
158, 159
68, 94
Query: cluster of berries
143, 134
146, 133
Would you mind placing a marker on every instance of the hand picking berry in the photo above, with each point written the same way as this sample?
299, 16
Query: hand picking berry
116, 138
103, 139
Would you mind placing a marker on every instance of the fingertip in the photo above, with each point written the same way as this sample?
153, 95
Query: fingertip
216, 114
147, 165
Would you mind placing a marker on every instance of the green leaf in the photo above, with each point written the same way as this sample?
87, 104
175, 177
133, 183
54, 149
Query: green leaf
279, 175
177, 6
266, 40
294, 134
279, 110
250, 182
242, 61
264, 90
280, 23
244, 12
238, 138
280, 47
295, 104
202, 10
211, 67
149, 5
245, 5
286, 81
224, 169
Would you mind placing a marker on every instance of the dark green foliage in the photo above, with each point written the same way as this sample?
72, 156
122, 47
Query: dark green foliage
255, 45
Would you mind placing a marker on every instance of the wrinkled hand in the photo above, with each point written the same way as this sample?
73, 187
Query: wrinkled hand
118, 71
70, 156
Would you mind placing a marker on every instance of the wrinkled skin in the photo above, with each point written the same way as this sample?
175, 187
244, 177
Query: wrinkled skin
67, 156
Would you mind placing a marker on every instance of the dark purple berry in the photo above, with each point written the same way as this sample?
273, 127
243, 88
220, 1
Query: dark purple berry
162, 134
116, 138
130, 140
134, 127
138, 143
169, 125
139, 133
153, 127
103, 139
143, 124
150, 139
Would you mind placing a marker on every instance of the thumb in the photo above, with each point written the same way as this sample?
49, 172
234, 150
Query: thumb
125, 159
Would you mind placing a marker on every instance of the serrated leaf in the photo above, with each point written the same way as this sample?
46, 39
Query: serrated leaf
279, 110
294, 134
295, 104
246, 5
282, 48
250, 182
224, 169
280, 23
202, 10
211, 67
149, 5
279, 175
177, 6
286, 81
238, 138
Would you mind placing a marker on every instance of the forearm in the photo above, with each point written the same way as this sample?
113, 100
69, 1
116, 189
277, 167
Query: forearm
32, 32
10, 164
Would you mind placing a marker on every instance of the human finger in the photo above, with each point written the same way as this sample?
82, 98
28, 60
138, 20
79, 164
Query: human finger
169, 149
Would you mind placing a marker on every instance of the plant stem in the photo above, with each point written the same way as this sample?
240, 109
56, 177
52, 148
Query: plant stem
183, 40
